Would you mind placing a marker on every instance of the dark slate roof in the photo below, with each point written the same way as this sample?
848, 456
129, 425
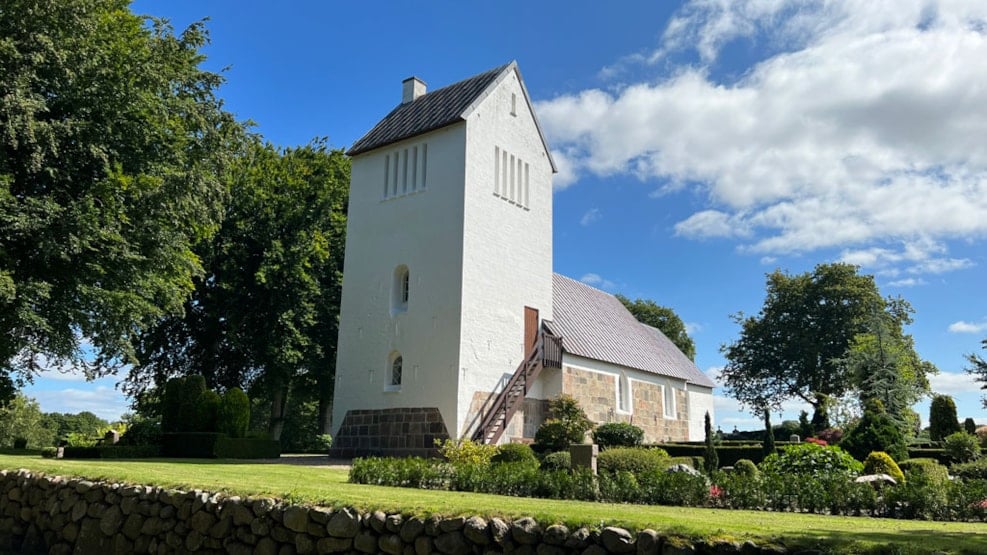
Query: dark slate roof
428, 112
594, 324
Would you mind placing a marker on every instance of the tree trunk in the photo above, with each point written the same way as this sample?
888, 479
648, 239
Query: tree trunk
820, 413
279, 408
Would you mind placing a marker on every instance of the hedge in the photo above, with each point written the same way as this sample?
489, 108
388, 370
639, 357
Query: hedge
247, 448
937, 454
728, 455
210, 445
113, 452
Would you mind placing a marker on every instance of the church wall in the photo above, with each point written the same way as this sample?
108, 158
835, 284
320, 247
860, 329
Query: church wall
594, 384
507, 241
403, 223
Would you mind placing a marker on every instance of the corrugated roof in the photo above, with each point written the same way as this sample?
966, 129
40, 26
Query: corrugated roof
428, 112
595, 325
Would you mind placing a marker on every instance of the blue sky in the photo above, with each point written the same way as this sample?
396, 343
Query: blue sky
701, 144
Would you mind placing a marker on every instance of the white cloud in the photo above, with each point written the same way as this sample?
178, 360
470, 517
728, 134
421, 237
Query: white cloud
907, 282
967, 327
591, 216
598, 281
862, 128
693, 328
103, 401
953, 383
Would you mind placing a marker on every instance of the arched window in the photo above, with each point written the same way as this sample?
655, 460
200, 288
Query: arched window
401, 289
394, 373
623, 393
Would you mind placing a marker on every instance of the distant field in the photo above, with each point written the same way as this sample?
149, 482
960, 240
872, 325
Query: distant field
302, 484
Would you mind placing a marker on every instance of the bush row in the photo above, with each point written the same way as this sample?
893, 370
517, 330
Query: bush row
208, 445
923, 495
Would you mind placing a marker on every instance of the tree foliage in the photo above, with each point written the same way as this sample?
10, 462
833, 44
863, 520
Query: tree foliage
794, 346
568, 424
711, 461
21, 417
978, 368
665, 319
113, 155
264, 316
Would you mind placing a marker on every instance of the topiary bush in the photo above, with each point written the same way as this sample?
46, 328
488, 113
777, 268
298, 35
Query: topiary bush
560, 460
942, 417
636, 460
617, 434
981, 434
745, 467
809, 460
233, 417
515, 453
880, 462
876, 431
206, 412
962, 447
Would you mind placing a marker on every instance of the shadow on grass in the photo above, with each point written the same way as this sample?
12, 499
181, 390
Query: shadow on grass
892, 540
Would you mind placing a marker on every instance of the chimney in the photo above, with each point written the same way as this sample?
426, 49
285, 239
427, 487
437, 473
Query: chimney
412, 88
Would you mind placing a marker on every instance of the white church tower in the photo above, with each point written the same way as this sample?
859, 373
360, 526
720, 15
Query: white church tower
448, 270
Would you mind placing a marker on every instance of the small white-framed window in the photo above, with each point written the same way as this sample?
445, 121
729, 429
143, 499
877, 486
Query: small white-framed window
669, 401
623, 393
513, 104
401, 289
395, 370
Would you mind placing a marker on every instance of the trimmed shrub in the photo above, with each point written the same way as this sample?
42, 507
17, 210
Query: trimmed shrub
961, 447
728, 454
636, 460
49, 452
244, 448
617, 434
20, 443
711, 461
880, 462
129, 451
974, 470
942, 417
466, 451
515, 453
233, 416
924, 493
970, 426
560, 460
70, 452
745, 467
812, 461
938, 455
206, 412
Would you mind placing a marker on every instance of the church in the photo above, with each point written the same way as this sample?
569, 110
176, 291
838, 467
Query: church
452, 323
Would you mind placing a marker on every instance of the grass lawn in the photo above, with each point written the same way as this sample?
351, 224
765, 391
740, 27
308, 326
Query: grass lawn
329, 487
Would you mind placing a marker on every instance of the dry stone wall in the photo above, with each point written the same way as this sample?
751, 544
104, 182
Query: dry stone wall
43, 514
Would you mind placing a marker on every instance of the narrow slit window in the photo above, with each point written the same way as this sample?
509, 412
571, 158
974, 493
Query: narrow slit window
497, 170
513, 104
394, 180
669, 402
503, 172
526, 190
404, 171
512, 178
424, 166
414, 168
395, 373
387, 172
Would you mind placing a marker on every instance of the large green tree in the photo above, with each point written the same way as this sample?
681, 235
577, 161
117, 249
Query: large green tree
264, 316
113, 152
665, 319
794, 347
978, 368
21, 417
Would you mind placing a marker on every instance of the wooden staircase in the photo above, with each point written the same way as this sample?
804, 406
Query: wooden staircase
498, 411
